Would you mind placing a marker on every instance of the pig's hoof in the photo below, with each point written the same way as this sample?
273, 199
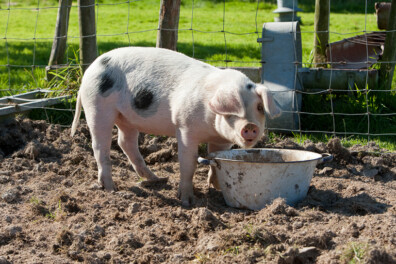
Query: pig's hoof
186, 200
111, 189
153, 182
109, 186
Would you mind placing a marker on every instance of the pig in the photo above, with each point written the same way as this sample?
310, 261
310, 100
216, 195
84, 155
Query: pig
163, 92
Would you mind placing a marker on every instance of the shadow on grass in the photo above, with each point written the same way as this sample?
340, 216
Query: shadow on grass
28, 59
203, 51
31, 54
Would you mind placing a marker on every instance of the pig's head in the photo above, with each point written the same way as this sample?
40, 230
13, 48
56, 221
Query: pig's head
241, 108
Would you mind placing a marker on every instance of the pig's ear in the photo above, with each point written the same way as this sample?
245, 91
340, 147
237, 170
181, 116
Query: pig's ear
271, 106
226, 103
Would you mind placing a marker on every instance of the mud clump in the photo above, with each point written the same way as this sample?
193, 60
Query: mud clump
63, 239
340, 153
279, 206
296, 255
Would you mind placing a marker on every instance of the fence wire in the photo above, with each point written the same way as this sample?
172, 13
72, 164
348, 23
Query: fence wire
22, 75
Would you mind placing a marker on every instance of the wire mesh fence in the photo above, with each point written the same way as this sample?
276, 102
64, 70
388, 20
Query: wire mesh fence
342, 99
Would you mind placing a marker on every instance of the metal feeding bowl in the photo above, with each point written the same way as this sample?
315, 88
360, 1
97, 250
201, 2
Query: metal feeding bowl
253, 178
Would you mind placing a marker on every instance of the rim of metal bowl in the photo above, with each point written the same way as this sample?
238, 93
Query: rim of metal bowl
320, 156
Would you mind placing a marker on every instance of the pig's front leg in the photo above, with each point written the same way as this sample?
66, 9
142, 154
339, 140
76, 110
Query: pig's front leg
212, 177
188, 154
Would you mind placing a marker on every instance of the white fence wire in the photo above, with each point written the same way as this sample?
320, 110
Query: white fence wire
224, 41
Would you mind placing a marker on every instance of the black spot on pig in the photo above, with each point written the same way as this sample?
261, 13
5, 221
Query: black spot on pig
105, 84
143, 99
105, 61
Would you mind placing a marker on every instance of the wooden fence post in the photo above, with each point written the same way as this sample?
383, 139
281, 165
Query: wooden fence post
60, 39
387, 67
321, 35
88, 48
168, 24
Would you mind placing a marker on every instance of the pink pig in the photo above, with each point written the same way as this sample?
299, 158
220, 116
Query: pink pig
162, 92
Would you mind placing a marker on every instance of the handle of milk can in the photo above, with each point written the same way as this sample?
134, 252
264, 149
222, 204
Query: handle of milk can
326, 157
206, 161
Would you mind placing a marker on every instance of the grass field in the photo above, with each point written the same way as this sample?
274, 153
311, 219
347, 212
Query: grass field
28, 32
221, 33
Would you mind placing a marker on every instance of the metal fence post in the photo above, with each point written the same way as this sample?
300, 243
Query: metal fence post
387, 67
287, 10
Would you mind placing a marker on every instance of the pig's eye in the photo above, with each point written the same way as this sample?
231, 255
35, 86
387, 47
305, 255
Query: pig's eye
260, 108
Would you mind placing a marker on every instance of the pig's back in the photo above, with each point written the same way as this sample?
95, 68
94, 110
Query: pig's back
148, 86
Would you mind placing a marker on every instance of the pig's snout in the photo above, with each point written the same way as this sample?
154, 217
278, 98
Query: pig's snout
250, 132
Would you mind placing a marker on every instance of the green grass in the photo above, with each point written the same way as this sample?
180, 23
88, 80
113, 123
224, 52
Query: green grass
354, 253
347, 141
27, 33
26, 44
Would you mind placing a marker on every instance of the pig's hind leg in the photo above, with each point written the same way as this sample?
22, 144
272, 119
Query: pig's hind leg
101, 143
128, 141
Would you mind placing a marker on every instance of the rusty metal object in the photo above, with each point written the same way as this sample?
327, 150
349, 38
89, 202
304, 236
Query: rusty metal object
382, 9
19, 103
359, 52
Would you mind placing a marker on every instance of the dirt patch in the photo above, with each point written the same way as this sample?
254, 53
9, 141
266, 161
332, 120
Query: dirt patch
53, 211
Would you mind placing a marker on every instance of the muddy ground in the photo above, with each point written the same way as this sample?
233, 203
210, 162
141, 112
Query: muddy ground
53, 211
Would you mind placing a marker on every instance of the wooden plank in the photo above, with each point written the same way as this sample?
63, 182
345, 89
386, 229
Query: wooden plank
253, 73
88, 48
321, 36
60, 38
382, 10
168, 24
